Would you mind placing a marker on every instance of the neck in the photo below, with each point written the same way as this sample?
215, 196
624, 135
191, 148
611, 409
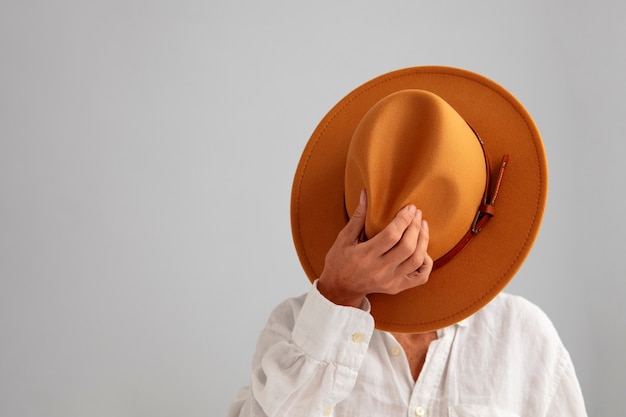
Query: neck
415, 347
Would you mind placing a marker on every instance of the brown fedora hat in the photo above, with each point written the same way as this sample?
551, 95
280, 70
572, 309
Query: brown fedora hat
458, 146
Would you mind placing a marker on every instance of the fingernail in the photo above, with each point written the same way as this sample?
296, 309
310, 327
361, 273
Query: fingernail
412, 209
425, 225
363, 197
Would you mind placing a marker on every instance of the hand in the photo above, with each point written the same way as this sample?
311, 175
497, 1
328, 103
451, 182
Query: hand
392, 261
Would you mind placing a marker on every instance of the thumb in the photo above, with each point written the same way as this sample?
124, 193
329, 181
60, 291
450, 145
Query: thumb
356, 224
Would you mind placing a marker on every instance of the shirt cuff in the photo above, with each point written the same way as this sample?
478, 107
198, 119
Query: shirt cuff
331, 333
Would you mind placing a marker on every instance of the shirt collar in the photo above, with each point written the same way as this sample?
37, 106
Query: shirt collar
451, 328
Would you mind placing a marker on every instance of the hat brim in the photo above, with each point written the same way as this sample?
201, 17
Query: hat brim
486, 265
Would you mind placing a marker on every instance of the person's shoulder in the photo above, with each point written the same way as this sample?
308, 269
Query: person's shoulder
515, 306
514, 315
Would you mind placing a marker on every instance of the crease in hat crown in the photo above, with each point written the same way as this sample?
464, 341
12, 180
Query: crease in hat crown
412, 147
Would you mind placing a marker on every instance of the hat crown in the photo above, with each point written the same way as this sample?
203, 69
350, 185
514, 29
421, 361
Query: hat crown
412, 147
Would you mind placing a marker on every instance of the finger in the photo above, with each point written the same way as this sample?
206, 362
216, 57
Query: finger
423, 272
393, 232
427, 266
417, 277
424, 238
417, 258
407, 245
356, 224
420, 276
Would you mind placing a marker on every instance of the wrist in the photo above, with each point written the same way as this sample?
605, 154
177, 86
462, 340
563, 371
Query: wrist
338, 295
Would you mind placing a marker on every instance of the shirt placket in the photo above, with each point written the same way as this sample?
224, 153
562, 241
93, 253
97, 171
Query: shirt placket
424, 393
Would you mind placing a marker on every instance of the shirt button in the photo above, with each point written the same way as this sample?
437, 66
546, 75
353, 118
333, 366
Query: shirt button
395, 351
358, 338
420, 412
328, 410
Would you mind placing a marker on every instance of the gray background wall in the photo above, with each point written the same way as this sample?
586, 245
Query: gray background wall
146, 155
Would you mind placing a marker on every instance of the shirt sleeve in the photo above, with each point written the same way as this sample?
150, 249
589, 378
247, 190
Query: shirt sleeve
307, 359
568, 398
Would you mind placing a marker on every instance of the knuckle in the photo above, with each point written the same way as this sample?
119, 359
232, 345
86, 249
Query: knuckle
408, 241
418, 257
391, 235
428, 261
415, 257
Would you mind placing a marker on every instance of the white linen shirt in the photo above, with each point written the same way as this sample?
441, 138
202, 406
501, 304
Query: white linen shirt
317, 359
